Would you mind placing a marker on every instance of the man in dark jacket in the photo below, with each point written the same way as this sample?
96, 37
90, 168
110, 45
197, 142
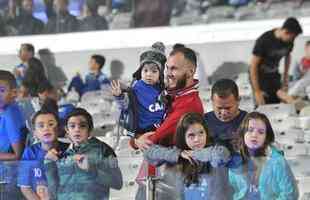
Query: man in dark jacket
26, 23
63, 21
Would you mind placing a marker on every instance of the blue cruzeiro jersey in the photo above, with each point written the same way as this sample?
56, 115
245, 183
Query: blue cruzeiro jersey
150, 110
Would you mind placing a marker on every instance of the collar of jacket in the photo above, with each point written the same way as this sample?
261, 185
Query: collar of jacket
184, 91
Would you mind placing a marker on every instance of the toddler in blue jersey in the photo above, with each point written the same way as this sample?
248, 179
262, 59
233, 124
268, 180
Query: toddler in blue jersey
264, 174
12, 135
147, 87
31, 179
195, 168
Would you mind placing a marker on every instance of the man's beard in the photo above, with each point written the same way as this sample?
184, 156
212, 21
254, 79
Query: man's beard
181, 83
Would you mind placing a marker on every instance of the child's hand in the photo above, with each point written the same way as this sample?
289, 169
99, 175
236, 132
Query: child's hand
187, 155
220, 156
42, 192
82, 161
52, 154
116, 88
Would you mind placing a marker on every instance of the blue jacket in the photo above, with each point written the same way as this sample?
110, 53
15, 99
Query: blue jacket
276, 180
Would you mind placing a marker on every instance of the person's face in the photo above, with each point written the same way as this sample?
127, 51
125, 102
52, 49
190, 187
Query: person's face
150, 73
77, 129
288, 36
225, 108
27, 5
196, 136
24, 54
7, 95
93, 66
46, 128
178, 72
255, 136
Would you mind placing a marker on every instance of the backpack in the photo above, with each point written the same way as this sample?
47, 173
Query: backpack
129, 118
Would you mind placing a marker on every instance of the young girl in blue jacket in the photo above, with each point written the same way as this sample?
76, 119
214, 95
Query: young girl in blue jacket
193, 169
264, 174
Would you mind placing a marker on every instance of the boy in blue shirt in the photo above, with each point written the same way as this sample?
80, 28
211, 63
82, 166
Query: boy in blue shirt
94, 80
12, 134
32, 179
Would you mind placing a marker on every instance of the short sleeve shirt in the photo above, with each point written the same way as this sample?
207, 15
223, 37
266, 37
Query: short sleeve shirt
271, 50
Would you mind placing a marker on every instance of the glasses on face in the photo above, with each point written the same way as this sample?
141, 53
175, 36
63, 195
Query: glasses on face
42, 126
82, 125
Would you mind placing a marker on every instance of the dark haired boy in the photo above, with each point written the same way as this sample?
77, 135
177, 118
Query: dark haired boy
88, 161
12, 134
95, 78
269, 49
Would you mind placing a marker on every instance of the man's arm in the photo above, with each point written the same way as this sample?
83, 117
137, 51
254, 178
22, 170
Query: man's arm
287, 63
258, 93
16, 155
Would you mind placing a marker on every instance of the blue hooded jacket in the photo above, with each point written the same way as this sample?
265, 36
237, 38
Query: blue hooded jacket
276, 180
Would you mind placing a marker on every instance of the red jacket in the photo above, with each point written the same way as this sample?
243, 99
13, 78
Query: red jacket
184, 101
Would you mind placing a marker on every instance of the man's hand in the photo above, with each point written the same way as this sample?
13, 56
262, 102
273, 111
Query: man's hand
259, 97
116, 88
143, 143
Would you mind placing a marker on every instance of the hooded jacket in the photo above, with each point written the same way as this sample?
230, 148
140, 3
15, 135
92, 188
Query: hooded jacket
276, 180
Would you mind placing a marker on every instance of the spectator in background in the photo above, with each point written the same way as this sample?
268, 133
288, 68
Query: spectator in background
151, 13
269, 49
26, 52
26, 23
302, 77
92, 20
117, 71
9, 14
94, 80
54, 74
304, 65
63, 21
34, 76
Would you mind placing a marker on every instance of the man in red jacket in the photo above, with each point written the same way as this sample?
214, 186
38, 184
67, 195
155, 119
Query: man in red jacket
184, 96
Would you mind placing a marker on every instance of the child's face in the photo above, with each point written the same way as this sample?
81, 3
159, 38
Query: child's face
93, 65
46, 128
196, 136
77, 129
150, 73
7, 95
255, 137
